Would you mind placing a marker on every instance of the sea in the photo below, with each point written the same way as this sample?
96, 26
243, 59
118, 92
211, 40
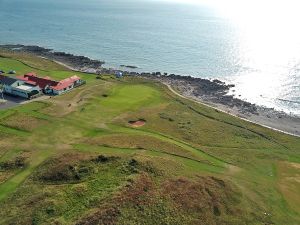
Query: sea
256, 48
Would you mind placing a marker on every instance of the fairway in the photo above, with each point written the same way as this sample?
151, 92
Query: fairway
76, 159
131, 97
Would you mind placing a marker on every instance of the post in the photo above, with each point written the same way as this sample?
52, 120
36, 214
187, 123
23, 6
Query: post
1, 91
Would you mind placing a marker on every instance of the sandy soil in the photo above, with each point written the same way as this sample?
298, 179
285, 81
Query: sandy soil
138, 123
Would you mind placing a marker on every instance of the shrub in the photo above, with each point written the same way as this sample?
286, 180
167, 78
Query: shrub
17, 163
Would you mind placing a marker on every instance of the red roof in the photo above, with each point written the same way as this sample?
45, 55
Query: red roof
31, 74
30, 82
65, 83
42, 82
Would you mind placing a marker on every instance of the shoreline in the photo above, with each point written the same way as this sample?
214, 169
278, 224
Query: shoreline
270, 118
227, 112
212, 93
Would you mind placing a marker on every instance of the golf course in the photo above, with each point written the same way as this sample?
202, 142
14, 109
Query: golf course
130, 151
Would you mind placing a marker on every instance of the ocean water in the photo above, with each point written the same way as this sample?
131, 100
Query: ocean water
260, 54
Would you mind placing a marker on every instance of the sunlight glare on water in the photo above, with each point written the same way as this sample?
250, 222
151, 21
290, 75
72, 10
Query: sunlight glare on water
268, 50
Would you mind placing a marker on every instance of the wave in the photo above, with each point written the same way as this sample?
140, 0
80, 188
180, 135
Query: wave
286, 100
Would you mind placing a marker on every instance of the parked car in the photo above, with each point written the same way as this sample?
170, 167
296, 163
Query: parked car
12, 72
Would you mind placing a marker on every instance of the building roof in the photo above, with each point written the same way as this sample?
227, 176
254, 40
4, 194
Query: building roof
43, 82
33, 79
25, 87
8, 80
31, 82
65, 83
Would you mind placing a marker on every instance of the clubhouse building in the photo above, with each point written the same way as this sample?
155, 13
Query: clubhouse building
30, 85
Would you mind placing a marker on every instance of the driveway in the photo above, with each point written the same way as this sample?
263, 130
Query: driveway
11, 101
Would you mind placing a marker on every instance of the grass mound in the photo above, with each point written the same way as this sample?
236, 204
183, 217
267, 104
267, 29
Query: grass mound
66, 169
204, 200
137, 203
71, 168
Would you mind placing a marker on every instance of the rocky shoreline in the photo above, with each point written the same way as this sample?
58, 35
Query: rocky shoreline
80, 63
214, 93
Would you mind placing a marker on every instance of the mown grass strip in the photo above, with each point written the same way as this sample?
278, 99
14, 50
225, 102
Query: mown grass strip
11, 184
6, 113
13, 131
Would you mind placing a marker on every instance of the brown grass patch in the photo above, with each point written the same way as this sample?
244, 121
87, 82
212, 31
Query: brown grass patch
6, 143
22, 121
5, 175
289, 183
107, 215
295, 165
206, 198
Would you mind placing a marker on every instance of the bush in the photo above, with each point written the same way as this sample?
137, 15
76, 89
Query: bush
103, 158
65, 173
17, 163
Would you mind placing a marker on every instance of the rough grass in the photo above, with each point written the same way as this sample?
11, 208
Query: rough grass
209, 200
22, 121
189, 163
141, 142
289, 179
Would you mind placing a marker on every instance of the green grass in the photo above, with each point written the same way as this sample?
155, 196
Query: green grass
11, 184
44, 68
9, 155
202, 155
250, 174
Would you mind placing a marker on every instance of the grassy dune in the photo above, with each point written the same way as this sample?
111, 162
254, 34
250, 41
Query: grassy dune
75, 159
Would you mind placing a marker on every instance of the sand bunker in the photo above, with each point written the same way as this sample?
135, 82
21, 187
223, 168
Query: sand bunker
137, 123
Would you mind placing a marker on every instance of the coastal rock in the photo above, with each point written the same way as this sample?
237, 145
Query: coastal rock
80, 63
128, 66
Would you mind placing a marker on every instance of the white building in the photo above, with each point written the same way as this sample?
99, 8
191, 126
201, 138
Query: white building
16, 87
